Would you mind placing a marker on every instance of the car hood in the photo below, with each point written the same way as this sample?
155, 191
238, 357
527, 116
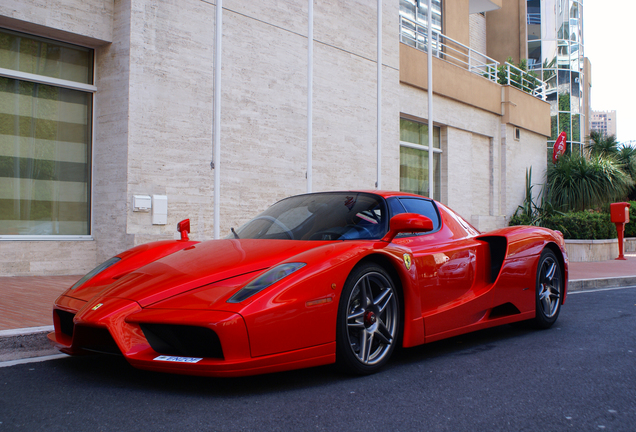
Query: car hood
203, 264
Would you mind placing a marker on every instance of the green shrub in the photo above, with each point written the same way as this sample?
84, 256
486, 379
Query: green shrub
584, 225
577, 183
521, 219
630, 228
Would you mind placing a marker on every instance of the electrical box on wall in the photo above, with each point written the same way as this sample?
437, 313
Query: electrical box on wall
142, 203
159, 209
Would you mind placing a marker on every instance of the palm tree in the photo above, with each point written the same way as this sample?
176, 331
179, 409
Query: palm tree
626, 157
600, 144
578, 183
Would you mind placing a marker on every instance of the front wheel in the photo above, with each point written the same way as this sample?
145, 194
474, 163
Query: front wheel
368, 320
549, 290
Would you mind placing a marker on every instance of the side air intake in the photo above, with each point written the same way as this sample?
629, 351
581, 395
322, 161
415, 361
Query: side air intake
498, 246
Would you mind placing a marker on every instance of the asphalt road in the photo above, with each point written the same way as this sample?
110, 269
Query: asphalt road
578, 376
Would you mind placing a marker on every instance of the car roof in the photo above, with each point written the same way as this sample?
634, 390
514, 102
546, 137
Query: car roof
388, 193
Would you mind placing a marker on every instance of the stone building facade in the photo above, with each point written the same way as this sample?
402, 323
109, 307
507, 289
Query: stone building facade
151, 107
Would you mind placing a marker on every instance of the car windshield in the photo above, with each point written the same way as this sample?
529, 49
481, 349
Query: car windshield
322, 216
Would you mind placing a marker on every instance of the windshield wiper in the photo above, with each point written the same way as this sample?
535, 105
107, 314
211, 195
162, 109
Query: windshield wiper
234, 232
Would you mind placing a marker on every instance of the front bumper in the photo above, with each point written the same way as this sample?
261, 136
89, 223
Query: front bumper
145, 337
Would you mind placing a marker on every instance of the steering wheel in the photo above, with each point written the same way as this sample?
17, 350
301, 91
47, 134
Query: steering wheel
361, 230
277, 222
333, 235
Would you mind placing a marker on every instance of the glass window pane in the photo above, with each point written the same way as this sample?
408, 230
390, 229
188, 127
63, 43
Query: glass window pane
564, 125
407, 9
437, 176
548, 53
534, 54
417, 133
564, 86
436, 137
563, 54
563, 19
576, 127
575, 94
554, 127
414, 162
45, 136
534, 19
44, 57
548, 24
423, 207
574, 56
413, 171
413, 132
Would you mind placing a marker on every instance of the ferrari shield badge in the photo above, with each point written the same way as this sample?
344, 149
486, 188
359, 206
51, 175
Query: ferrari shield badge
407, 261
97, 306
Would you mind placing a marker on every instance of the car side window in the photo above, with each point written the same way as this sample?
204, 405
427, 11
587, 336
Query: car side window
415, 205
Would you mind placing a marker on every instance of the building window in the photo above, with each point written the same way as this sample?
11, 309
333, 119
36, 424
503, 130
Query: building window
414, 154
414, 22
46, 111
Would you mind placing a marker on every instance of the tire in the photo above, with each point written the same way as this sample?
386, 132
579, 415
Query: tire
549, 290
368, 323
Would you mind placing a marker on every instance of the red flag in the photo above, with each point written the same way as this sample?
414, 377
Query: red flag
559, 147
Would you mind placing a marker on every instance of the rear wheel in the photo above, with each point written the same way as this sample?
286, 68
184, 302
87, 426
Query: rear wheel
368, 320
549, 290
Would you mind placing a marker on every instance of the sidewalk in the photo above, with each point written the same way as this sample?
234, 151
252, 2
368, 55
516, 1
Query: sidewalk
26, 302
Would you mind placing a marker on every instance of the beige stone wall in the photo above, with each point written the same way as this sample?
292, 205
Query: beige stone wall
529, 151
110, 144
154, 110
85, 22
471, 155
170, 105
40, 258
477, 32
506, 31
449, 80
263, 108
455, 19
526, 111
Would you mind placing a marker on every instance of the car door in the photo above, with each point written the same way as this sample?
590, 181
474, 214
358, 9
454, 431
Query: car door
449, 262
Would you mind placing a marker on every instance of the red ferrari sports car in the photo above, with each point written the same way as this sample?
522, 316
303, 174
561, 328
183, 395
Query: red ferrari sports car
319, 278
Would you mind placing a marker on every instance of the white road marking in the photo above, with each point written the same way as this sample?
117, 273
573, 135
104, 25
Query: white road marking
31, 360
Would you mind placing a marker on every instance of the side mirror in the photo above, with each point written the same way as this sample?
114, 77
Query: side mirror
184, 228
407, 222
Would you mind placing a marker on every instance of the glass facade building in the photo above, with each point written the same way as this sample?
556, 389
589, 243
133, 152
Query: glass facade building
555, 53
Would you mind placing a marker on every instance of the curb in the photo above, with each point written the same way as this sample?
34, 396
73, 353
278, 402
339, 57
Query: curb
612, 282
25, 343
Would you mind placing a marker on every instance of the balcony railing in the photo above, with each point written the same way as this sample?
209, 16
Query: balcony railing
522, 80
446, 48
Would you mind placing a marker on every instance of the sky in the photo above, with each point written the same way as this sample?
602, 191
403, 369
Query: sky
608, 36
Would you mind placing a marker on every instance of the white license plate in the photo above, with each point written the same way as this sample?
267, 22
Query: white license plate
178, 359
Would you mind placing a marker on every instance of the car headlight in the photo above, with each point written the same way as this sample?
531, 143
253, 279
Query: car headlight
268, 278
97, 270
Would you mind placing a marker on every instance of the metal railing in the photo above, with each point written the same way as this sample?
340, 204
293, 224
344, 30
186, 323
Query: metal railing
446, 48
515, 77
415, 35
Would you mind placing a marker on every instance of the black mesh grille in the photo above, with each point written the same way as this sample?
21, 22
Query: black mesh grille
183, 340
96, 339
66, 322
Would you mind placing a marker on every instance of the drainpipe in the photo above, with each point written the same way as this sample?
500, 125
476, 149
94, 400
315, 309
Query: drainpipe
310, 91
378, 183
430, 98
216, 160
